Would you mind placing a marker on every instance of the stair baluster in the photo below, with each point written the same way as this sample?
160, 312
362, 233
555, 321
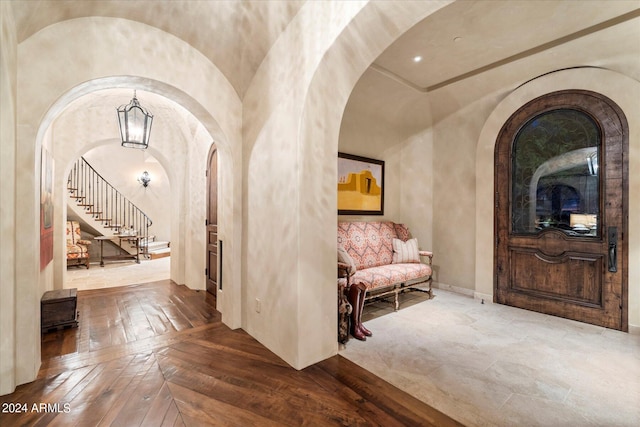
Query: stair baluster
106, 204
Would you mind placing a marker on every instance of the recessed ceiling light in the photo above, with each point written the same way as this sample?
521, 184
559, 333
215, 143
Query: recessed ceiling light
457, 39
417, 58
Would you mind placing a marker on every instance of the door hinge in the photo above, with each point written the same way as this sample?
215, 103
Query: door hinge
206, 272
206, 222
497, 199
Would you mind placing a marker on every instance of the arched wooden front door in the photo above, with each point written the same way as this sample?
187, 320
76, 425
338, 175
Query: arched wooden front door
561, 209
213, 276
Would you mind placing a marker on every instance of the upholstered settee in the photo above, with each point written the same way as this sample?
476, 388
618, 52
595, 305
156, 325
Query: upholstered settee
77, 248
382, 256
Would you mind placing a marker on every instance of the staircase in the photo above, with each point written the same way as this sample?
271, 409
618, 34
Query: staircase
109, 212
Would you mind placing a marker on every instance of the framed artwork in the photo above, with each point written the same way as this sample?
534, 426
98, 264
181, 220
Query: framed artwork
360, 185
46, 209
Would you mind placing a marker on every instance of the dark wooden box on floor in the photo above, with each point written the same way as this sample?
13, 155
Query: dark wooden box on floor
59, 309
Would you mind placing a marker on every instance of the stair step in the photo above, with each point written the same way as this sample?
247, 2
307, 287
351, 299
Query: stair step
94, 212
156, 246
160, 253
84, 204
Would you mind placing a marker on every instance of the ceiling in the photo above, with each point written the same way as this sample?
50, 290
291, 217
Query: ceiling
469, 49
469, 36
234, 35
474, 49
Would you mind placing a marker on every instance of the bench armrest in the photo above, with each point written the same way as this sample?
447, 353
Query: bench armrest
427, 254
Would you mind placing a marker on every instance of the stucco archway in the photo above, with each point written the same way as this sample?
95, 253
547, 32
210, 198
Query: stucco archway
374, 28
188, 245
104, 52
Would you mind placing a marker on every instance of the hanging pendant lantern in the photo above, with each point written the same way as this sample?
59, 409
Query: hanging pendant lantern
135, 124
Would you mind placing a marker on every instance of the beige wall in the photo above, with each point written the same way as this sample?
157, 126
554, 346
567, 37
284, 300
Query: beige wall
8, 69
275, 184
122, 168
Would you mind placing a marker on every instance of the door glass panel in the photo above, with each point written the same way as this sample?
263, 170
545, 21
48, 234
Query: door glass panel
556, 179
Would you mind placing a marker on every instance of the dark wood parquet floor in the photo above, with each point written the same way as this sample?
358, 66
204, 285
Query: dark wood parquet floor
157, 354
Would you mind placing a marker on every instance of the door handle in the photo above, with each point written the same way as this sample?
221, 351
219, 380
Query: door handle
613, 249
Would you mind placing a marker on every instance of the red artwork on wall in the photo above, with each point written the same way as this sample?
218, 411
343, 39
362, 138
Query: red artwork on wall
46, 210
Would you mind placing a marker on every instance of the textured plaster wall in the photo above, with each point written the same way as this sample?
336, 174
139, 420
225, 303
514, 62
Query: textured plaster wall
417, 204
454, 201
46, 276
121, 167
625, 92
367, 35
8, 68
164, 65
292, 115
274, 185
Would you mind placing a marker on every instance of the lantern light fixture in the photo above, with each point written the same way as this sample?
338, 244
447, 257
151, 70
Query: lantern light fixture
135, 124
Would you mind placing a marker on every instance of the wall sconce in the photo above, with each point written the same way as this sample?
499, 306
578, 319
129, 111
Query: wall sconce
135, 124
144, 179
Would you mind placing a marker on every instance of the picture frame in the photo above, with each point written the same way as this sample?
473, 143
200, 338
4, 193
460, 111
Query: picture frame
46, 209
360, 185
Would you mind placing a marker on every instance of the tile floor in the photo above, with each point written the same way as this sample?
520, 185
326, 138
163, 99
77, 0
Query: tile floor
493, 365
482, 364
117, 274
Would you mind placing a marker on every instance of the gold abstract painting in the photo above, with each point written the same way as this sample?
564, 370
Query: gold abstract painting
360, 185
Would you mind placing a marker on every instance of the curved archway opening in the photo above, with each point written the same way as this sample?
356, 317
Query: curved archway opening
83, 123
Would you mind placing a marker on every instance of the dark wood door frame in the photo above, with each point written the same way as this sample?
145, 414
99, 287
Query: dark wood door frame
213, 246
549, 248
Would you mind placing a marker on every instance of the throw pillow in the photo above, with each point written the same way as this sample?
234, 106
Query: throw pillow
344, 257
405, 252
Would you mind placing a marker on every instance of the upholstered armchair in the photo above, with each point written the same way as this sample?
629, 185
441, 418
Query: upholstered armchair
77, 249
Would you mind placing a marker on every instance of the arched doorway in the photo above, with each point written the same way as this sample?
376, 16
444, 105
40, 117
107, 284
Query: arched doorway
214, 247
561, 198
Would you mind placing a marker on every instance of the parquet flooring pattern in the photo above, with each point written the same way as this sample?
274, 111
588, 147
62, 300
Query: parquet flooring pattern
157, 354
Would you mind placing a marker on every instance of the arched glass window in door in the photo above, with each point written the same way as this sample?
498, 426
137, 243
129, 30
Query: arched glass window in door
555, 175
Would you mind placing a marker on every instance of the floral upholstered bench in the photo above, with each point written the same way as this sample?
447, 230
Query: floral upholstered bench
375, 259
382, 256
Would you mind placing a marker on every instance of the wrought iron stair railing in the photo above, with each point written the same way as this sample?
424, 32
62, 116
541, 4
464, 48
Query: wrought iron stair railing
106, 204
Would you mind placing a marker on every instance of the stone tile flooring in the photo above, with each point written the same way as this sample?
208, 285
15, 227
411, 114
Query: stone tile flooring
493, 365
117, 274
482, 364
